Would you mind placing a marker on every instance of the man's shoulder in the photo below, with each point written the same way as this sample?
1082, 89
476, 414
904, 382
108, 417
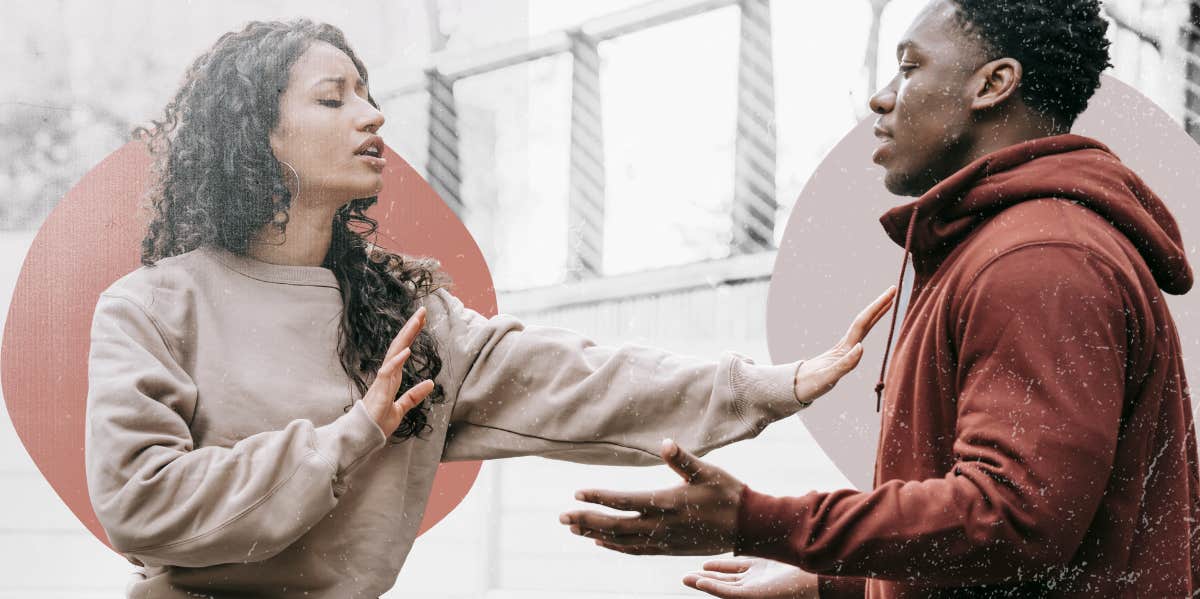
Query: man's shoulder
1047, 225
1043, 221
1049, 234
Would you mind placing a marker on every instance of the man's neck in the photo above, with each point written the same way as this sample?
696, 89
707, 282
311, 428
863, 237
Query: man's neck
1011, 130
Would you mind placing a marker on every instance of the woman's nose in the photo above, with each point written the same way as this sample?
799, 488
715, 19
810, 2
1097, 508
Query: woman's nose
371, 119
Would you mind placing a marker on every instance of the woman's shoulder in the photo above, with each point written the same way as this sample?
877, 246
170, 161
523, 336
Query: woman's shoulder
172, 281
441, 304
454, 322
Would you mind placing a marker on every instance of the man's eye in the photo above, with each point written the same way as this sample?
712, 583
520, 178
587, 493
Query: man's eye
330, 103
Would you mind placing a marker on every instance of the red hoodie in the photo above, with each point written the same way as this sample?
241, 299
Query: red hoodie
1037, 434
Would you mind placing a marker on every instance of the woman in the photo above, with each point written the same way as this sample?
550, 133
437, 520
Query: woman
271, 394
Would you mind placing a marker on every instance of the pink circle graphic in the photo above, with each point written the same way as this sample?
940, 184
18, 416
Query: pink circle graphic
834, 255
93, 237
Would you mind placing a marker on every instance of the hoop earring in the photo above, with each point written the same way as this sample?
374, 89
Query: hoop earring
294, 174
281, 217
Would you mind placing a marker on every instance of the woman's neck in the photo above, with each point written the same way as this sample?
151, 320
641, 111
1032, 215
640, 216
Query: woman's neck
305, 242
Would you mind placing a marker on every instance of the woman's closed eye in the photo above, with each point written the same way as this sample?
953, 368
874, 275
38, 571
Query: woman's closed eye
330, 103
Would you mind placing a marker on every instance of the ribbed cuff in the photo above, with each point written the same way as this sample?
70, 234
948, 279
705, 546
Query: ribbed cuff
350, 438
764, 393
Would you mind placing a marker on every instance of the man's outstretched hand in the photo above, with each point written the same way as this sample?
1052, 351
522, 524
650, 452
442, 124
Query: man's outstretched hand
698, 517
753, 578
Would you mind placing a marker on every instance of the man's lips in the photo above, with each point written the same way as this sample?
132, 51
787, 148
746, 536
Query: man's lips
884, 150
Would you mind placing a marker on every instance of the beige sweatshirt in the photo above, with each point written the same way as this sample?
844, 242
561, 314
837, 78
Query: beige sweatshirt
219, 454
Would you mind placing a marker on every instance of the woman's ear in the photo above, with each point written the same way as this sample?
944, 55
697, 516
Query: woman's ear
274, 139
996, 81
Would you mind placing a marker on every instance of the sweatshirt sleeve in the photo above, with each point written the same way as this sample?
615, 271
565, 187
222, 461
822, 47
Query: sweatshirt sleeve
1041, 339
164, 501
522, 390
841, 587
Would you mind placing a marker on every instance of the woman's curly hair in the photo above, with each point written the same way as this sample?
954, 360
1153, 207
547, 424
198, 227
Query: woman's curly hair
219, 183
1060, 44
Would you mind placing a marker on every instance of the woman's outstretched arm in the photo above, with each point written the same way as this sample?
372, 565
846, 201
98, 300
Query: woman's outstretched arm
525, 390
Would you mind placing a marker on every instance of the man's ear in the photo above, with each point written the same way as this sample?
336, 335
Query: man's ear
995, 82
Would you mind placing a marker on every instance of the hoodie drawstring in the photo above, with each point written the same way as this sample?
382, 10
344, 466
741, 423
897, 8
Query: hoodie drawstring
912, 222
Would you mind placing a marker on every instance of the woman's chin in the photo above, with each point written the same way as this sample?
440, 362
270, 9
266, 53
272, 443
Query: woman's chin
368, 191
378, 186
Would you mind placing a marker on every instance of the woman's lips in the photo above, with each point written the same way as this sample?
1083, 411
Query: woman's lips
373, 162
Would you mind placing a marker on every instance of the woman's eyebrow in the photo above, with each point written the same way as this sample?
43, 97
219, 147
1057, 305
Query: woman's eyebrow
341, 81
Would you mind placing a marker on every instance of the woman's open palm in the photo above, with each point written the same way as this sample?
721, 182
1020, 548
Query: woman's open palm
818, 375
380, 399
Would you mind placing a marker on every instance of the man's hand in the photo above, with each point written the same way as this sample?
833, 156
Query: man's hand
754, 578
818, 375
698, 517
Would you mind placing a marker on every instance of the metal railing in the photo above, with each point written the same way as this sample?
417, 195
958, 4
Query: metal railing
754, 202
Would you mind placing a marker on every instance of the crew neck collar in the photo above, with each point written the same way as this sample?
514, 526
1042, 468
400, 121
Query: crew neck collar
287, 274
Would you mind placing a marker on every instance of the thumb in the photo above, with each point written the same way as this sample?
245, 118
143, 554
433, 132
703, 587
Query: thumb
849, 361
686, 465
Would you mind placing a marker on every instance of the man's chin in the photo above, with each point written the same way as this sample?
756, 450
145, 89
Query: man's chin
902, 185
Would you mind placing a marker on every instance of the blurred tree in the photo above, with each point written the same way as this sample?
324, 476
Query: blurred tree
46, 123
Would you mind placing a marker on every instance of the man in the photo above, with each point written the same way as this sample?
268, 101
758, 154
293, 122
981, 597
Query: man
1037, 436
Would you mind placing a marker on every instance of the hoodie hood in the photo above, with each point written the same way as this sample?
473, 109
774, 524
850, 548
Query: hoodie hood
1069, 167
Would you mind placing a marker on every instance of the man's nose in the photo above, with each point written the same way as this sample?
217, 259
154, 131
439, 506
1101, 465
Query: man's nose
883, 101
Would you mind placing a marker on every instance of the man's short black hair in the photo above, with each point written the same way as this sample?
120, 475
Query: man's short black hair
1060, 44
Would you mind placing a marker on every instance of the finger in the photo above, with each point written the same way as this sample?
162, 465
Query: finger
869, 316
413, 397
885, 303
847, 362
393, 366
681, 461
408, 332
693, 577
632, 549
629, 501
596, 524
865, 320
732, 566
720, 576
624, 540
717, 588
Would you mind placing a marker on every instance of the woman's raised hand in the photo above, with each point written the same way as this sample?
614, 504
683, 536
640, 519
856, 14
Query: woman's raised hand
817, 376
380, 399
